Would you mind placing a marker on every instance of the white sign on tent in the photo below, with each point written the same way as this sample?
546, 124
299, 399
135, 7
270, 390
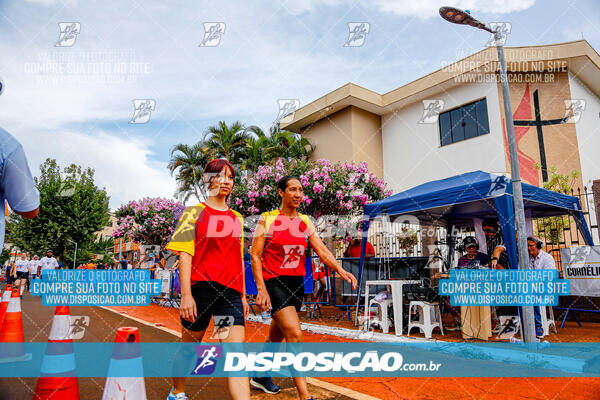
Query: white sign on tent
581, 266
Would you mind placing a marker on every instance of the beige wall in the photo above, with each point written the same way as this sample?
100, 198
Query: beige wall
107, 230
560, 141
366, 139
350, 134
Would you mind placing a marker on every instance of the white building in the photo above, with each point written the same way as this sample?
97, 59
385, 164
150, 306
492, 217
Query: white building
406, 146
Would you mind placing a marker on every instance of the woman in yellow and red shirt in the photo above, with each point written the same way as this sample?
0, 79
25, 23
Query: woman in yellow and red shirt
209, 241
280, 241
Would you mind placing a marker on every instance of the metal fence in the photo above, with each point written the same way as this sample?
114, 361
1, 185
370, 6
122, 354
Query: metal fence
384, 238
561, 232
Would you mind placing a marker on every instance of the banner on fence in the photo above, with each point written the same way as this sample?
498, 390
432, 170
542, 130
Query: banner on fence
581, 266
165, 277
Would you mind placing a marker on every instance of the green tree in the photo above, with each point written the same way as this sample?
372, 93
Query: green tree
4, 256
290, 146
226, 141
259, 149
188, 163
266, 148
72, 207
552, 228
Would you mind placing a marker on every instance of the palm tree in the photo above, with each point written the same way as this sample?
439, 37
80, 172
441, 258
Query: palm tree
267, 147
256, 151
290, 145
226, 141
189, 162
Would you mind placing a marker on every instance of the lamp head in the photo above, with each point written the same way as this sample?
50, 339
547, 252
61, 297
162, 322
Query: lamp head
458, 16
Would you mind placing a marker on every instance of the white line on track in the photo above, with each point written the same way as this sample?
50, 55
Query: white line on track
316, 382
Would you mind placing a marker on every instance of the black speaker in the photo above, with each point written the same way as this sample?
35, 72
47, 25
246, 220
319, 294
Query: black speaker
409, 268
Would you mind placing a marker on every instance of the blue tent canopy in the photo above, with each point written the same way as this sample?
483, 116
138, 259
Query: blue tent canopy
459, 199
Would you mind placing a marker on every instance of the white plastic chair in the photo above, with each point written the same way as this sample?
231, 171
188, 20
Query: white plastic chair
547, 317
429, 317
382, 314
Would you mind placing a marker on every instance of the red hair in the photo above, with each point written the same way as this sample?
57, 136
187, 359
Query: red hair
216, 166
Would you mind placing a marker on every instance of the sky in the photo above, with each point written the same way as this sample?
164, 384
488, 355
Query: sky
72, 99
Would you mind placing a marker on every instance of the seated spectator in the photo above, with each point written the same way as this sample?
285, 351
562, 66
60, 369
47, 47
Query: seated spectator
474, 258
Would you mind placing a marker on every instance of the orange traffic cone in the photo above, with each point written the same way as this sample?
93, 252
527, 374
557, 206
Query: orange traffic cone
125, 357
57, 378
12, 347
4, 302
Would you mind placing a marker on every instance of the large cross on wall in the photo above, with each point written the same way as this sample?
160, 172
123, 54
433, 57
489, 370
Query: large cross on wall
539, 123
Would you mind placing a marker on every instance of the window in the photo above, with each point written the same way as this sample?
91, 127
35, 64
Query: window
464, 122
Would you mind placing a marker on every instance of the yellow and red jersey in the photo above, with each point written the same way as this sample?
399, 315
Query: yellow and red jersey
286, 243
215, 240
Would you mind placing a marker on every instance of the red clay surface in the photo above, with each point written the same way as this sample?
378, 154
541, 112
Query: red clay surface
427, 388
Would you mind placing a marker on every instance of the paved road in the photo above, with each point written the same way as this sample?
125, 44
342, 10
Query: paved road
37, 321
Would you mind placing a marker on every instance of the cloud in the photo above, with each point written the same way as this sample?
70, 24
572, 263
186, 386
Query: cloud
124, 166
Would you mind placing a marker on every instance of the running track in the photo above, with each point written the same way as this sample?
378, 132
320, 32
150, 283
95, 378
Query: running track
37, 321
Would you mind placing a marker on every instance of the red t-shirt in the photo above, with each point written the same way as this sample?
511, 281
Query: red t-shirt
354, 250
286, 242
215, 241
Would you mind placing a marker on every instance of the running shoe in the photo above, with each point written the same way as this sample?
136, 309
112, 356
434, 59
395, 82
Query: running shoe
264, 384
178, 396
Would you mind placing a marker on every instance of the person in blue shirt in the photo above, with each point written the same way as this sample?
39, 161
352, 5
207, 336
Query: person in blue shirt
474, 258
16, 183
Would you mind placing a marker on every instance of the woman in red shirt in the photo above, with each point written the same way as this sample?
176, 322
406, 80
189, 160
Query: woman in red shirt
209, 241
280, 241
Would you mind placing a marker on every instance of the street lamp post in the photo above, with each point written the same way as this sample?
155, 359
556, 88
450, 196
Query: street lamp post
75, 256
461, 17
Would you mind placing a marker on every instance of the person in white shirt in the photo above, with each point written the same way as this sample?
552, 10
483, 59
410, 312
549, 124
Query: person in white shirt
22, 268
33, 266
48, 262
538, 259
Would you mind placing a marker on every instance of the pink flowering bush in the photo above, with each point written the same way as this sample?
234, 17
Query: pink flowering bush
148, 221
329, 189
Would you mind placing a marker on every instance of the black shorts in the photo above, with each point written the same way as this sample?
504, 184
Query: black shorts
285, 291
214, 299
22, 275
